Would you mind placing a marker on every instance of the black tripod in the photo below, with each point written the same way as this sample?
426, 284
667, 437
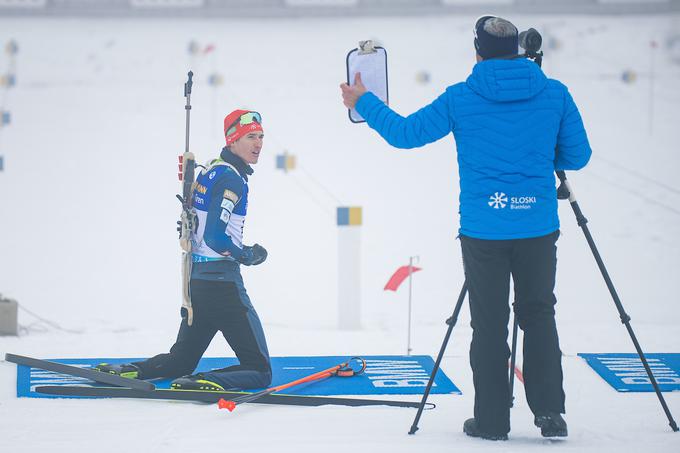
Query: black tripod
563, 192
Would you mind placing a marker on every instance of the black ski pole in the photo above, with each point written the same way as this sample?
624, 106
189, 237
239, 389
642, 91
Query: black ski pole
513, 356
451, 322
565, 191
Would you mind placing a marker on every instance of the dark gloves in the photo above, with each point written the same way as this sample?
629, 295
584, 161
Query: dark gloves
252, 256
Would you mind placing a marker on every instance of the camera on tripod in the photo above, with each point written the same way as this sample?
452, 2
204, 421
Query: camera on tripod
531, 41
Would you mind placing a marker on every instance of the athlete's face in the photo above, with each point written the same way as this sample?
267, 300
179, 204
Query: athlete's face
248, 147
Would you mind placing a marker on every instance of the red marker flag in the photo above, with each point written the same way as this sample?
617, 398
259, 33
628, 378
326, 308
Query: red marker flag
399, 276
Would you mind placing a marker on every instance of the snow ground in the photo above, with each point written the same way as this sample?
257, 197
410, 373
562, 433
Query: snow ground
88, 236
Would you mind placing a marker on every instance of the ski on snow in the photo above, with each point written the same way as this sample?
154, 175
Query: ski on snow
136, 388
213, 397
94, 375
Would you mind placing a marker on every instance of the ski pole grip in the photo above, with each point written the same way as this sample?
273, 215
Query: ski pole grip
188, 84
563, 191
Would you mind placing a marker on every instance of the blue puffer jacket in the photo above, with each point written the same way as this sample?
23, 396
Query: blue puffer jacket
513, 127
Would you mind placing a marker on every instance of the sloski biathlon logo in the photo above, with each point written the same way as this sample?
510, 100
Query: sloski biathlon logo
498, 200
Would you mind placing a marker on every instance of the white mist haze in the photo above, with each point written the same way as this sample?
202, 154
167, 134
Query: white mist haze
88, 240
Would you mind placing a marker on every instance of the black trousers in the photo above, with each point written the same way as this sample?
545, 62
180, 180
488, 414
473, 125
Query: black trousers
532, 263
222, 306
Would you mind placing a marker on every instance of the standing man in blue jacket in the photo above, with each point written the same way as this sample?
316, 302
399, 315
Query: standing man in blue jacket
513, 128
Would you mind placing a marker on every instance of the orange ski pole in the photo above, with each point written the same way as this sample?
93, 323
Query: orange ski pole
343, 369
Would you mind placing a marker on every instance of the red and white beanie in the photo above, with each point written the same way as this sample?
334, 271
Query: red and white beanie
239, 123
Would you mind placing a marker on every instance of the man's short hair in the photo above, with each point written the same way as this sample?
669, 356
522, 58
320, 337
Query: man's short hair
500, 28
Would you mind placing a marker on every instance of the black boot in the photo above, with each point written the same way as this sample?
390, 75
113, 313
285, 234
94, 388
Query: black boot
195, 382
126, 370
551, 423
471, 429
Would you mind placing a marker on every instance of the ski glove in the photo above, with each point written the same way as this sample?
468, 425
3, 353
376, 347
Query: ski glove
252, 256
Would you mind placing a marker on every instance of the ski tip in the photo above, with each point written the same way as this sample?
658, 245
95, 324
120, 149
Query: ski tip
224, 404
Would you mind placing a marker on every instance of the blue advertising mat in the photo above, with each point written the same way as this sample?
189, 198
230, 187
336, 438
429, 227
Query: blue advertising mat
384, 375
625, 372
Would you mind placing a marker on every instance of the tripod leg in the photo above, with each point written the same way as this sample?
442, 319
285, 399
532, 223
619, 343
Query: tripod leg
451, 322
625, 319
512, 360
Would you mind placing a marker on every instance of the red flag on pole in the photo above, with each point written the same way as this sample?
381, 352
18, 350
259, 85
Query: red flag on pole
399, 276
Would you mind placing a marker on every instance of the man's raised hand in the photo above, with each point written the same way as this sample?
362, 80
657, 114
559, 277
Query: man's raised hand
352, 93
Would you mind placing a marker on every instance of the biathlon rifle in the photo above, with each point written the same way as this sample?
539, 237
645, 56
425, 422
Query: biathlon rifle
187, 222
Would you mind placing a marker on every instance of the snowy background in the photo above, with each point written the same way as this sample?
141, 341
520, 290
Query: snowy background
87, 238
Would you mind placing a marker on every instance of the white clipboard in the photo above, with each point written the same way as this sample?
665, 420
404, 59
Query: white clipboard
371, 62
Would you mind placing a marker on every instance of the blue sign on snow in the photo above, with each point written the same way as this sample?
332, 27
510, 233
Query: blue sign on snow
625, 372
384, 375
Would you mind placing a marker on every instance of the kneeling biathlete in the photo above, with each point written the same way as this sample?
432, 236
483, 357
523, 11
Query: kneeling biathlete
218, 296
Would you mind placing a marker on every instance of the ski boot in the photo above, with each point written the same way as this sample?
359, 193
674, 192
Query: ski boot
551, 423
471, 429
195, 382
126, 370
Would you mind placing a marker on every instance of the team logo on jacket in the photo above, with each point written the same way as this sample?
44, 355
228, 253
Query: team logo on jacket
498, 200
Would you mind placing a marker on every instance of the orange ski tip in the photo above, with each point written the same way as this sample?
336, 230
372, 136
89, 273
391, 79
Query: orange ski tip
224, 404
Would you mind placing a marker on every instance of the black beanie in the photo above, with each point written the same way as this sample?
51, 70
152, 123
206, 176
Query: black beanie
489, 46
